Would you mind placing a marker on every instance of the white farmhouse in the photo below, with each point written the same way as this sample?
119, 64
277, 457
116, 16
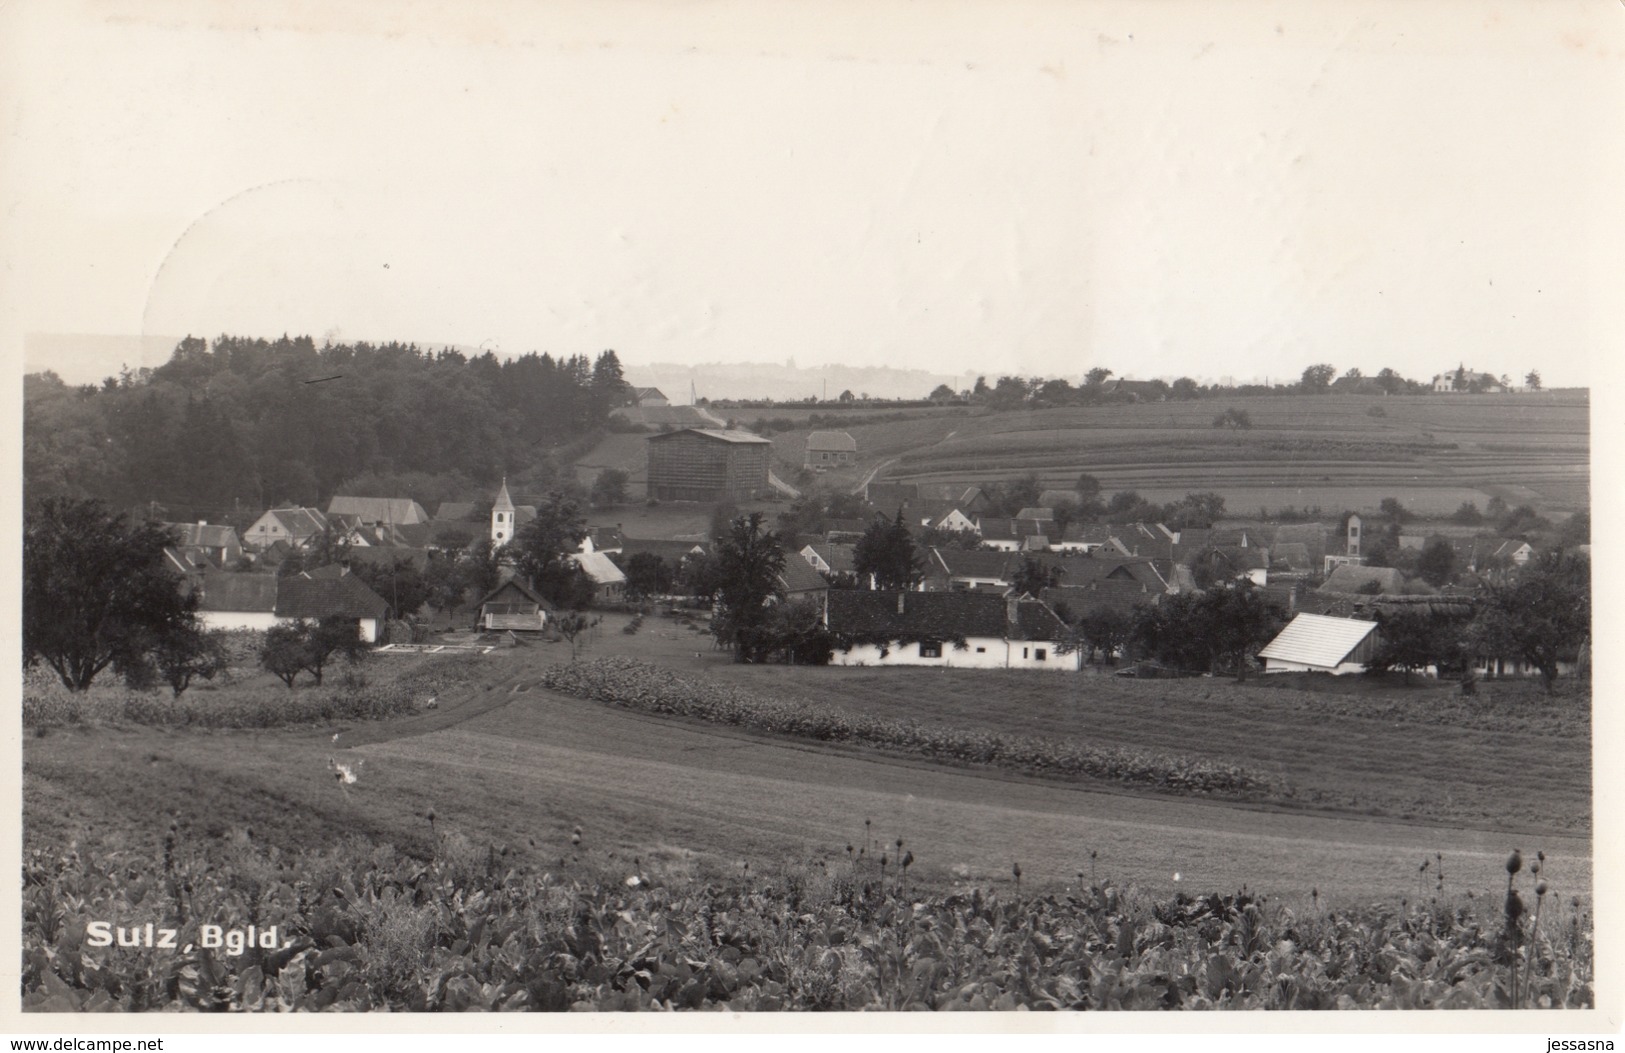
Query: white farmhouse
1318, 643
959, 630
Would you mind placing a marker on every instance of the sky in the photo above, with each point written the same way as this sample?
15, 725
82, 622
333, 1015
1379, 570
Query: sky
1161, 188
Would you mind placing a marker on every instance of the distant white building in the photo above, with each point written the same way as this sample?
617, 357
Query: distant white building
1318, 643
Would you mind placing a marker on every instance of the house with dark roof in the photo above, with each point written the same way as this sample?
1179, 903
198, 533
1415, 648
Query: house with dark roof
371, 510
1108, 594
455, 510
1355, 579
293, 525
514, 606
964, 570
1012, 535
236, 600
302, 596
829, 449
648, 398
961, 630
832, 557
799, 581
1135, 390
219, 544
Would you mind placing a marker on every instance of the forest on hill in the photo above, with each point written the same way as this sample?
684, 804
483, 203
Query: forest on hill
246, 423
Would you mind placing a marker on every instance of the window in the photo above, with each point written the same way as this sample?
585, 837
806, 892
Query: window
1042, 654
1024, 652
981, 650
930, 649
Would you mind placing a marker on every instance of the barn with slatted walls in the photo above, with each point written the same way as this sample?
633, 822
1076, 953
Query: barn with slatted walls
703, 464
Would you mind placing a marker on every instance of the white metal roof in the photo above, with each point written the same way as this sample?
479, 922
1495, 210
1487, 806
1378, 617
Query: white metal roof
1318, 640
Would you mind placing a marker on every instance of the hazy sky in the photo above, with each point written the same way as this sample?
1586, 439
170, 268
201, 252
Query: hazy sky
1162, 188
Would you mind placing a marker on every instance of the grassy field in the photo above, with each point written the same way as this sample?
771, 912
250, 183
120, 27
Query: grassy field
1432, 452
1386, 777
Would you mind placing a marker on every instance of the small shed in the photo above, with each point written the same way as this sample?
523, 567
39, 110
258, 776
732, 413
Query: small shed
1318, 643
513, 606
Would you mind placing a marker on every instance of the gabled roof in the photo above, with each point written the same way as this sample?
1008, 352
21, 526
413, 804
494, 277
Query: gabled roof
512, 594
300, 522
203, 535
1035, 621
941, 615
732, 435
841, 558
383, 556
1051, 498
647, 393
835, 441
973, 563
799, 576
1318, 640
1036, 513
1106, 594
1352, 578
302, 596
378, 509
599, 567
1293, 555
224, 591
454, 510
1000, 529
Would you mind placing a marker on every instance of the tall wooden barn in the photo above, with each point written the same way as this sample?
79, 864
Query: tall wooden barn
704, 464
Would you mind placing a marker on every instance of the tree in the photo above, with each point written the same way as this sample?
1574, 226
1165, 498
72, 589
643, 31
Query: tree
796, 632
1237, 622
1396, 512
1033, 577
1107, 631
1437, 564
647, 575
446, 580
1354, 373
542, 548
572, 626
94, 590
1467, 514
942, 393
1531, 380
749, 562
332, 637
399, 581
1390, 381
886, 552
1317, 378
1234, 419
1200, 510
190, 654
1185, 389
1009, 393
283, 652
1542, 616
1414, 638
609, 489
1087, 486
1095, 379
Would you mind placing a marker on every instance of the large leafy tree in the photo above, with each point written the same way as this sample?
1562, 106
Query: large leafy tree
1415, 637
95, 593
542, 548
1317, 378
749, 560
886, 551
1543, 615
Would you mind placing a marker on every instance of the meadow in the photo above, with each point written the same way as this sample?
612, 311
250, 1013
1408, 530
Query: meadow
483, 841
1335, 451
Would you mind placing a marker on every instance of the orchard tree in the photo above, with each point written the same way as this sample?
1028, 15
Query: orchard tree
647, 575
95, 593
1437, 563
1390, 381
187, 656
1542, 616
1531, 380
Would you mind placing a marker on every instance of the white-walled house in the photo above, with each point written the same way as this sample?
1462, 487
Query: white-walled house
237, 601
343, 595
958, 630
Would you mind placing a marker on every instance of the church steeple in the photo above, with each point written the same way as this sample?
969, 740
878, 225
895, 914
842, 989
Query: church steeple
502, 516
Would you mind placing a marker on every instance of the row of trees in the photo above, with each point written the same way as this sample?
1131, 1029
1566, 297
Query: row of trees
1014, 392
247, 423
